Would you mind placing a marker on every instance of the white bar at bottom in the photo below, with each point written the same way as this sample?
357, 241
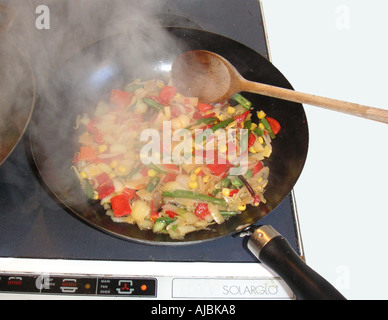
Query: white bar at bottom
231, 288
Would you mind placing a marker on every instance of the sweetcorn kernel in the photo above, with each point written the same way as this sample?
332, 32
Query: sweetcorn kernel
252, 150
198, 170
261, 114
151, 173
83, 174
193, 177
225, 192
261, 126
253, 126
193, 185
122, 169
261, 140
113, 164
206, 179
242, 208
231, 110
102, 148
260, 179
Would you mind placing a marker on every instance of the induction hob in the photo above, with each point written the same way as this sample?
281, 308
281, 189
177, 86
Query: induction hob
46, 251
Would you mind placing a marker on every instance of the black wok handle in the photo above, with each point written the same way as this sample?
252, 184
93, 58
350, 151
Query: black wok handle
275, 252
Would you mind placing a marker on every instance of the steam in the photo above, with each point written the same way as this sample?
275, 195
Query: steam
74, 25
77, 24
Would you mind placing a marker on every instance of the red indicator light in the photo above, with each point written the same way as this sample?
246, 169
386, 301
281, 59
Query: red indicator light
15, 281
143, 287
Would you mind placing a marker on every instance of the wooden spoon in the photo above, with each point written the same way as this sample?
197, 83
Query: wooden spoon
212, 78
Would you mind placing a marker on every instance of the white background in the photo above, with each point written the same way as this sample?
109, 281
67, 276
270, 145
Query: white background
339, 49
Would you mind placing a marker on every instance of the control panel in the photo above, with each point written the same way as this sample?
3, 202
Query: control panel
77, 285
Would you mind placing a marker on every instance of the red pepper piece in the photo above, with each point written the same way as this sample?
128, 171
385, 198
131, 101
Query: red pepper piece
93, 130
210, 115
257, 168
120, 98
154, 213
167, 93
88, 153
275, 125
144, 171
202, 210
120, 205
218, 169
172, 166
233, 192
197, 115
105, 190
160, 100
103, 178
169, 177
175, 111
98, 138
241, 117
251, 140
91, 126
171, 214
204, 107
200, 174
130, 193
76, 158
105, 185
256, 200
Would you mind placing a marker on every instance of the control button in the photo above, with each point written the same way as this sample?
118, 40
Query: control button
69, 286
125, 287
17, 283
56, 284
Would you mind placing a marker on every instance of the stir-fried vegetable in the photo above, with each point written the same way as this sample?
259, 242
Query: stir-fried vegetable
173, 197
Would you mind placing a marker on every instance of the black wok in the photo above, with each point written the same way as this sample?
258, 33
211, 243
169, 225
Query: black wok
115, 61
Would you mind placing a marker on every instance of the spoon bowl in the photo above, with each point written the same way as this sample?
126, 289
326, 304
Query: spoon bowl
212, 78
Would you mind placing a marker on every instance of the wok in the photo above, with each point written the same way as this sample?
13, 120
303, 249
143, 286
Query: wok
115, 61
17, 90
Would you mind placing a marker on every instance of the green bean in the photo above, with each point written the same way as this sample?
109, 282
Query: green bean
153, 104
152, 184
268, 128
242, 101
221, 124
193, 195
226, 214
206, 120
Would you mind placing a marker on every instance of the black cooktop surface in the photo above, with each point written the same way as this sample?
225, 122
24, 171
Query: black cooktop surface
34, 225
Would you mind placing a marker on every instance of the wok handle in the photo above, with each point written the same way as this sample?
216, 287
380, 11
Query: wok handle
273, 250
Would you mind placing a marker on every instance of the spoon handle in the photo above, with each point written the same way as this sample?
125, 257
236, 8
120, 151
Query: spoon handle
354, 109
